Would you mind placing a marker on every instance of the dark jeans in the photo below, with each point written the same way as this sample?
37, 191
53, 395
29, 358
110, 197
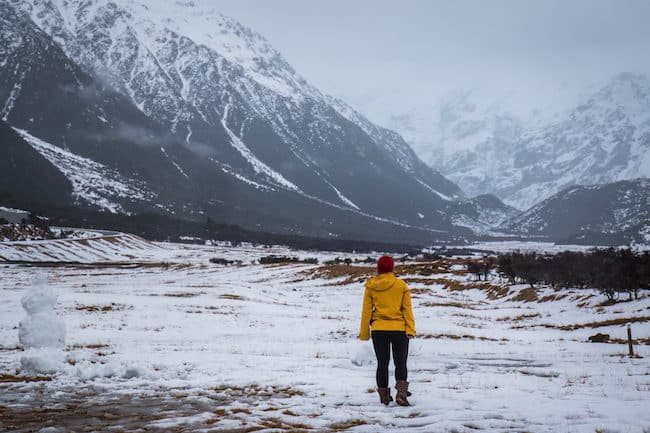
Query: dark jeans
382, 342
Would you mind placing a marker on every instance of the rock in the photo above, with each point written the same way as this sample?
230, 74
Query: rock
599, 338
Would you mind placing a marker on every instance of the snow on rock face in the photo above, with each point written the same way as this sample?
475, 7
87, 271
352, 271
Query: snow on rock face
221, 85
92, 182
41, 332
604, 138
609, 208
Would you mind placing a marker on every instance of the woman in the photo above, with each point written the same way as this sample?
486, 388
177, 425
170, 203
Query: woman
387, 309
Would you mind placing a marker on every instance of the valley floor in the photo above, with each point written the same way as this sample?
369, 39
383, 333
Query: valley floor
175, 343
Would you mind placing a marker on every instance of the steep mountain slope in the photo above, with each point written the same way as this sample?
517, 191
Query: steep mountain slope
158, 151
599, 209
481, 214
235, 100
54, 100
24, 173
604, 139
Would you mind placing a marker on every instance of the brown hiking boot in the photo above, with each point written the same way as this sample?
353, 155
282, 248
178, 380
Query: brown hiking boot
402, 388
384, 395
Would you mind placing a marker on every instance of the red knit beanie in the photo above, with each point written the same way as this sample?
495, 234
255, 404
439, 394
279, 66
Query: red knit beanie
385, 264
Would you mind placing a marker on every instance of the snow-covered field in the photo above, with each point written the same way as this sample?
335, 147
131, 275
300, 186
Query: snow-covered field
171, 342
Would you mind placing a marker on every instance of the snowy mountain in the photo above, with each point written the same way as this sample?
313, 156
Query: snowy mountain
207, 118
16, 181
482, 214
609, 210
605, 138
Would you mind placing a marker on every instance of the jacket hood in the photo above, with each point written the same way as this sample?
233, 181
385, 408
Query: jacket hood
381, 282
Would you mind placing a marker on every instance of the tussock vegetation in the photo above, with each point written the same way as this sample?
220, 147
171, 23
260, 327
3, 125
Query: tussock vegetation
89, 346
273, 260
11, 349
529, 294
518, 318
351, 274
599, 324
346, 425
10, 378
255, 390
182, 294
603, 323
420, 291
447, 304
103, 308
459, 337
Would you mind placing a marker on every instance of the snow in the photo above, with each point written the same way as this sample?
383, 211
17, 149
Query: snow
258, 166
438, 193
41, 332
244, 179
92, 182
13, 95
101, 247
364, 355
343, 198
178, 167
253, 345
10, 209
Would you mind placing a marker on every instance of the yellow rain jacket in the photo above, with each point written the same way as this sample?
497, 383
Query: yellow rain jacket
386, 306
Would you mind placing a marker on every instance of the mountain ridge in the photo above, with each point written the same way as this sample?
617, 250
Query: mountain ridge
206, 137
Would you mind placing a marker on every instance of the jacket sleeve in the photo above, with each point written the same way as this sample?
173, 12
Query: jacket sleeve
407, 311
366, 313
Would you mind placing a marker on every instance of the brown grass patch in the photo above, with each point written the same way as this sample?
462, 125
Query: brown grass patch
492, 292
420, 291
255, 390
10, 378
231, 297
459, 337
183, 294
352, 274
345, 425
518, 318
11, 349
88, 346
447, 304
430, 281
529, 294
103, 308
601, 324
425, 268
550, 298
277, 423
290, 412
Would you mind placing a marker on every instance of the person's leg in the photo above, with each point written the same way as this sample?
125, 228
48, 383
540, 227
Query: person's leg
380, 341
400, 343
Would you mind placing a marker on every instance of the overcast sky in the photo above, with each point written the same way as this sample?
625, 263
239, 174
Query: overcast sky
382, 55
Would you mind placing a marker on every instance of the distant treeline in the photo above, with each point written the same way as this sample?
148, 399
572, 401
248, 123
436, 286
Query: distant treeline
612, 271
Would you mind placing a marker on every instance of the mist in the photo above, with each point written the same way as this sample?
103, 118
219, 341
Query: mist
386, 58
